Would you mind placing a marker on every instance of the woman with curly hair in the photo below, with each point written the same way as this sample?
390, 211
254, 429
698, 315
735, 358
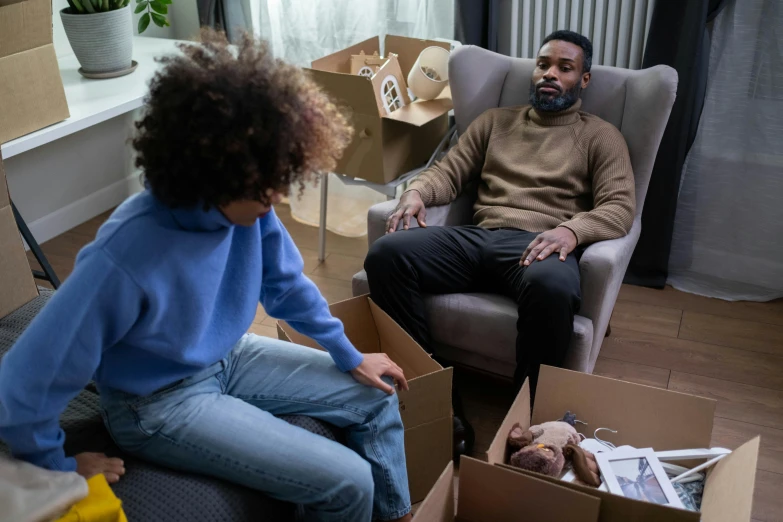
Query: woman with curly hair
157, 307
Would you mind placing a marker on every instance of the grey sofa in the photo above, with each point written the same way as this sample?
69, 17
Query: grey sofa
478, 329
148, 492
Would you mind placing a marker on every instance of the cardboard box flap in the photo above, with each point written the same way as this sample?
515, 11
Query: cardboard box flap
408, 49
24, 25
491, 493
412, 359
519, 412
17, 286
341, 60
357, 321
643, 416
618, 508
349, 92
428, 398
728, 491
438, 506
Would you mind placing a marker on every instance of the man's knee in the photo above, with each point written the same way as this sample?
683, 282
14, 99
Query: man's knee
555, 286
384, 255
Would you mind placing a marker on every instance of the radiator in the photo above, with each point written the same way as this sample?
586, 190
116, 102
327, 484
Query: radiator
617, 28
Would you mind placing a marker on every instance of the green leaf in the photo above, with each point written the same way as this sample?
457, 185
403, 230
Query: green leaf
139, 1
167, 2
141, 6
88, 6
105, 5
77, 6
159, 20
144, 21
158, 7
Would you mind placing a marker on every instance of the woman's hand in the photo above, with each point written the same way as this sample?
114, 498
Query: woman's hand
375, 366
90, 464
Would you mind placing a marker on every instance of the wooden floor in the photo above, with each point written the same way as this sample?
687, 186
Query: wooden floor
732, 352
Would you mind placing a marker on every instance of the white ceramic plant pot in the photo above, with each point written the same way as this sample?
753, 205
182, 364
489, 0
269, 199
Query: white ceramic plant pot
102, 42
432, 59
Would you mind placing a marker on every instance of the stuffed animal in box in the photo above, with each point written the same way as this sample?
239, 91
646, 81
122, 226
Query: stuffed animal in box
546, 447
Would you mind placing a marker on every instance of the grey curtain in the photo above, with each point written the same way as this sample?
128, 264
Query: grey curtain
678, 38
225, 15
476, 23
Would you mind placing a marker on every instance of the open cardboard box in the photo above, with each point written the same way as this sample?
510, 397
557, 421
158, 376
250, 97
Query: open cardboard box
384, 146
17, 286
425, 408
31, 90
643, 417
490, 493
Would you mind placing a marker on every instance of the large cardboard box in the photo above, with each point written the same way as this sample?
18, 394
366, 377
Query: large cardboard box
31, 90
643, 417
384, 146
489, 493
425, 408
17, 286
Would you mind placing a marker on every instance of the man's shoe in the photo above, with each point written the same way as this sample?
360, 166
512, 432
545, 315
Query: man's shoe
464, 437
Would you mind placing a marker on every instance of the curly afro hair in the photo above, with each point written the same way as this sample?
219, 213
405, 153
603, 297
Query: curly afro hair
226, 123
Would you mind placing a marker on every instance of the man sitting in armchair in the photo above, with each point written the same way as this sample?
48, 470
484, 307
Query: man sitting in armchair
552, 179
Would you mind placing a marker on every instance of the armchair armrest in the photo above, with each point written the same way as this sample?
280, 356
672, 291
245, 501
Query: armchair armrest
459, 212
602, 269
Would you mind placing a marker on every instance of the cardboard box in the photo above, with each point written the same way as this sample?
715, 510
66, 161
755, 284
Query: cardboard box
31, 90
490, 493
425, 408
384, 146
643, 417
17, 285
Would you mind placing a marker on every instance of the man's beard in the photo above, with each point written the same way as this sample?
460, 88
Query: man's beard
554, 103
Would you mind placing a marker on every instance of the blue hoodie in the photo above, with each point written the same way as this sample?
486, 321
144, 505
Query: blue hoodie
160, 294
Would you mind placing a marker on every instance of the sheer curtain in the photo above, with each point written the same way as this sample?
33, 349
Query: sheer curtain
728, 233
300, 31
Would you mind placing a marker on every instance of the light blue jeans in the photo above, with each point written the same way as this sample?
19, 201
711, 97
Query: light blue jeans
221, 422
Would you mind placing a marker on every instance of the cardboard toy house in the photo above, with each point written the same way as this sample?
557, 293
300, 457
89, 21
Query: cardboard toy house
425, 408
31, 90
366, 65
386, 144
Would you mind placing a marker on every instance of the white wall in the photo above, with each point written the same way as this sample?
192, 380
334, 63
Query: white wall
64, 183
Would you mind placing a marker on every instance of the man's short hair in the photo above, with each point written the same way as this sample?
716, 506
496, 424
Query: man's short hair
576, 39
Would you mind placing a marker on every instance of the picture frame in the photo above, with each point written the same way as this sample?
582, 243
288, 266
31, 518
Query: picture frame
637, 474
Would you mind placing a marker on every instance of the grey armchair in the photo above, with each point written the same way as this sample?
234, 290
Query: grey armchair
479, 329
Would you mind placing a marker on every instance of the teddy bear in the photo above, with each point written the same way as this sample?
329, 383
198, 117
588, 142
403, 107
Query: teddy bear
546, 447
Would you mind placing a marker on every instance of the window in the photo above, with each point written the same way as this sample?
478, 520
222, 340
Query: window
390, 93
365, 71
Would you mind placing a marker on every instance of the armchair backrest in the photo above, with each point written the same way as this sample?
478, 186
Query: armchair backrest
637, 102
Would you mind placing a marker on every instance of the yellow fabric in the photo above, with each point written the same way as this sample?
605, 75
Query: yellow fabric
100, 505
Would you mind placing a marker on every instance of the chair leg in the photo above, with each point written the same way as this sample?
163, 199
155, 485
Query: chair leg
608, 330
48, 272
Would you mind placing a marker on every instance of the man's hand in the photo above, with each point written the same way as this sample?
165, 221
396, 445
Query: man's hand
90, 464
559, 239
375, 366
410, 206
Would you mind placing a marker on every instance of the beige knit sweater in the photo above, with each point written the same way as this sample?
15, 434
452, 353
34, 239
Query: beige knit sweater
539, 171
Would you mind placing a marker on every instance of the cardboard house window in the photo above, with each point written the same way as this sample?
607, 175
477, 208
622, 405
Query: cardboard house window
365, 71
392, 99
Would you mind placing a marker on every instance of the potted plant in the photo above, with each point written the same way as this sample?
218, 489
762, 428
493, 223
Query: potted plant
101, 34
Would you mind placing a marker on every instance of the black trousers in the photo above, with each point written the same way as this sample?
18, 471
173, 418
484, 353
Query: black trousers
403, 266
